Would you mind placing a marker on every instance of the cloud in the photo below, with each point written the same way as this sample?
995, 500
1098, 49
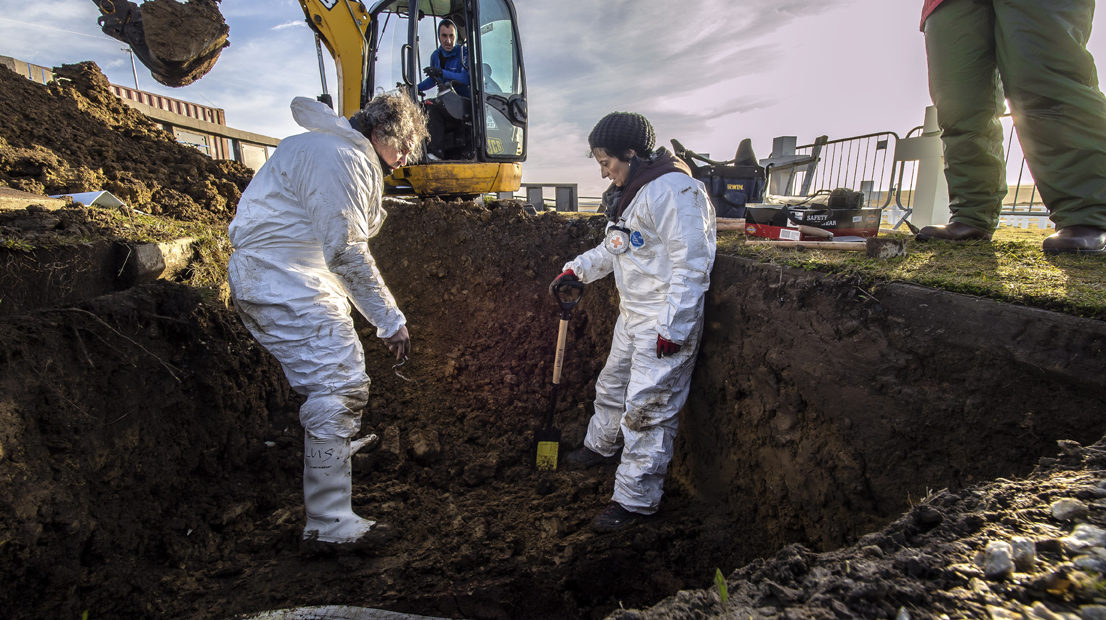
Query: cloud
683, 69
295, 24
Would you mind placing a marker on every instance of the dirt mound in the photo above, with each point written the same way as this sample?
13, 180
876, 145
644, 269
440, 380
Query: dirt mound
73, 135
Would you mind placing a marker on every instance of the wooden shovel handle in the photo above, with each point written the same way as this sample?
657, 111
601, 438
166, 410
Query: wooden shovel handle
558, 360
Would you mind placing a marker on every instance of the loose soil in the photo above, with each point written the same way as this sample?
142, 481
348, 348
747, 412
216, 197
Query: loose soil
150, 453
185, 37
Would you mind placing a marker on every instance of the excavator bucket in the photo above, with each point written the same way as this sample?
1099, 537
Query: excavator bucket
178, 41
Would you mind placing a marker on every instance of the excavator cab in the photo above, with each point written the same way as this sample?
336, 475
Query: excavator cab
480, 137
478, 130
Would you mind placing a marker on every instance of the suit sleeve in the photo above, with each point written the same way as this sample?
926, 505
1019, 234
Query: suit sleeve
341, 193
685, 224
592, 265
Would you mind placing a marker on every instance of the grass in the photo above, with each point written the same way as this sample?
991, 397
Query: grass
211, 245
1010, 268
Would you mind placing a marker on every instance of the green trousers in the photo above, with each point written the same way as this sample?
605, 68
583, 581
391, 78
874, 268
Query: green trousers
1036, 52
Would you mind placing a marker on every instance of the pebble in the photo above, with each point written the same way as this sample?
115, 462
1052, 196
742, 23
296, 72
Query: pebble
965, 570
425, 445
1092, 612
978, 586
998, 560
1040, 611
1069, 447
1094, 563
926, 516
1068, 509
1025, 553
1083, 537
872, 551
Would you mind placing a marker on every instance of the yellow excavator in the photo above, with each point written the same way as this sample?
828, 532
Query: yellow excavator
478, 131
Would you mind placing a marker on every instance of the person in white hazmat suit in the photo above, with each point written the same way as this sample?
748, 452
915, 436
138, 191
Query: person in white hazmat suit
301, 255
660, 245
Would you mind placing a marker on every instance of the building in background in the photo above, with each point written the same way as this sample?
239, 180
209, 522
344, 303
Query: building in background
199, 126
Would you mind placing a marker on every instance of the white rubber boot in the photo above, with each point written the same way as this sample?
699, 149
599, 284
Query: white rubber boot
326, 496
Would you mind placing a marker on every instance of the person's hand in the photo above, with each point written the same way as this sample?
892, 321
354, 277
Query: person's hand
666, 347
399, 343
567, 275
433, 72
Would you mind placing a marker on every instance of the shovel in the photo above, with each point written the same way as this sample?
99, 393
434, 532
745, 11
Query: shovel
548, 438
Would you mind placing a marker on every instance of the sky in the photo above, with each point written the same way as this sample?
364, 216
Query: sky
708, 74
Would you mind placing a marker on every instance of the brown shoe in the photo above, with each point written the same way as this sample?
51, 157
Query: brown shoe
1076, 240
953, 231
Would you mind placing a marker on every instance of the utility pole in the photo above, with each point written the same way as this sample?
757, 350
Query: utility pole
134, 70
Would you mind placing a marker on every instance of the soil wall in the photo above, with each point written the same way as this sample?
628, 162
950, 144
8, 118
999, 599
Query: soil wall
820, 409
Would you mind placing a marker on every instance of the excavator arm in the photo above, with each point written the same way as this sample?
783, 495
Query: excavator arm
178, 42
343, 27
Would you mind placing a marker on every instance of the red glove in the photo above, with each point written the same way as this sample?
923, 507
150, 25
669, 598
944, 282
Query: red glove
666, 347
566, 275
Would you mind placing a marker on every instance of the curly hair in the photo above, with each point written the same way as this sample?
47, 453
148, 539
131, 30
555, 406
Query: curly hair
400, 121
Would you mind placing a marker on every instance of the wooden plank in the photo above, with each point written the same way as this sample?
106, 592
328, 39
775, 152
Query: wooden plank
730, 223
11, 199
873, 247
810, 245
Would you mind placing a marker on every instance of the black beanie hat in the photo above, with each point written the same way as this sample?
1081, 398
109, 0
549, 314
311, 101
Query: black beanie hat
618, 132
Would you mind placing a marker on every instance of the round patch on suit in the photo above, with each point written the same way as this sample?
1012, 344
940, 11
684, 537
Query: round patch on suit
636, 239
617, 241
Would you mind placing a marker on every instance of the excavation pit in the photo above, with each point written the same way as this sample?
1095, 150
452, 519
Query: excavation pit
151, 453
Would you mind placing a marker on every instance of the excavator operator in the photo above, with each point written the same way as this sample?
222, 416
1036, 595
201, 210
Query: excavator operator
447, 63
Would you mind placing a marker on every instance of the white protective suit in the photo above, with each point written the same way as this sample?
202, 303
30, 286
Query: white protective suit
662, 282
301, 255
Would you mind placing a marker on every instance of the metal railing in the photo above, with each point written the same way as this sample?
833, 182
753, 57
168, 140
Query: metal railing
870, 164
864, 163
1025, 199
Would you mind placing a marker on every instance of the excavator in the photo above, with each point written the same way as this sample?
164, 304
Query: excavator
478, 138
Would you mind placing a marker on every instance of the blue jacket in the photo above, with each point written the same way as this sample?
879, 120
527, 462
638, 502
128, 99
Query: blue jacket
454, 66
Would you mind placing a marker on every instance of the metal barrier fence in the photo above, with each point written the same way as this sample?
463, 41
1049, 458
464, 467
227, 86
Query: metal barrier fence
873, 165
863, 163
1021, 199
